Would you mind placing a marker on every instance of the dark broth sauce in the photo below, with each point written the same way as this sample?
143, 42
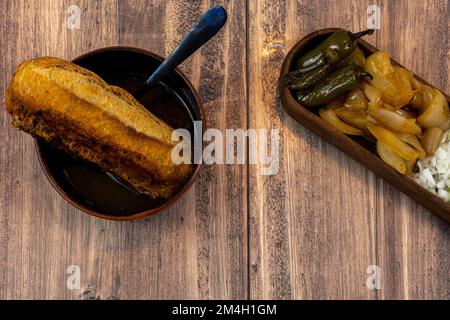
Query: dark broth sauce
100, 190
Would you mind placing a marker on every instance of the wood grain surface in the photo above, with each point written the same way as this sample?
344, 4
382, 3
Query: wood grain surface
317, 226
311, 231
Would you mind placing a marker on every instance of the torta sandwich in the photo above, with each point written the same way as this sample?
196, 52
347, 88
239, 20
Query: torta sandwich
75, 110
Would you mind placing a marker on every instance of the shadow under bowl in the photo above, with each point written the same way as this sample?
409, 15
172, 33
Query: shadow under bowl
99, 193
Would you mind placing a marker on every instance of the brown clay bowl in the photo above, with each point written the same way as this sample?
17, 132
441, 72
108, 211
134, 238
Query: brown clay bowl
357, 148
98, 193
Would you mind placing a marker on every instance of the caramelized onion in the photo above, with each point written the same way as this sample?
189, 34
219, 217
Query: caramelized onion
389, 138
405, 75
416, 84
404, 92
390, 157
417, 101
356, 100
413, 141
436, 111
394, 121
352, 117
373, 94
329, 116
432, 139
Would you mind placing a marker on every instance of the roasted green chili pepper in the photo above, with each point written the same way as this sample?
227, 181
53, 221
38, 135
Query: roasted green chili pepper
335, 48
328, 57
338, 82
296, 80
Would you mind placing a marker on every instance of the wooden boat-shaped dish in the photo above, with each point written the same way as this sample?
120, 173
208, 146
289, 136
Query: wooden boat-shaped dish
356, 147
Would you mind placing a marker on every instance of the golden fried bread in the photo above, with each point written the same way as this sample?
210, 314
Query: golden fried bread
75, 110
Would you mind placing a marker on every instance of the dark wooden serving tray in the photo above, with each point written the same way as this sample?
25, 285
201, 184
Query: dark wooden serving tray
355, 147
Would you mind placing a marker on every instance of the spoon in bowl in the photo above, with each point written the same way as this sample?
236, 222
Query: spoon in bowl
205, 28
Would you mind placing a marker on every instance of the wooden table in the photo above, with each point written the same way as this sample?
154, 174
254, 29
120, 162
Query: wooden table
311, 231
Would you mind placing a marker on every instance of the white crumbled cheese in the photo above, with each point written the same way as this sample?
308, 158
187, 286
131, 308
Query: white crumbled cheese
434, 172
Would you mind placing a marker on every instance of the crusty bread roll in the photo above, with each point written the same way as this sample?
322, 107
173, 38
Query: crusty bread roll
74, 109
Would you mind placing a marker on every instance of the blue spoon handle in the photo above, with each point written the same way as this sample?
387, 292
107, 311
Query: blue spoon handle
206, 27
